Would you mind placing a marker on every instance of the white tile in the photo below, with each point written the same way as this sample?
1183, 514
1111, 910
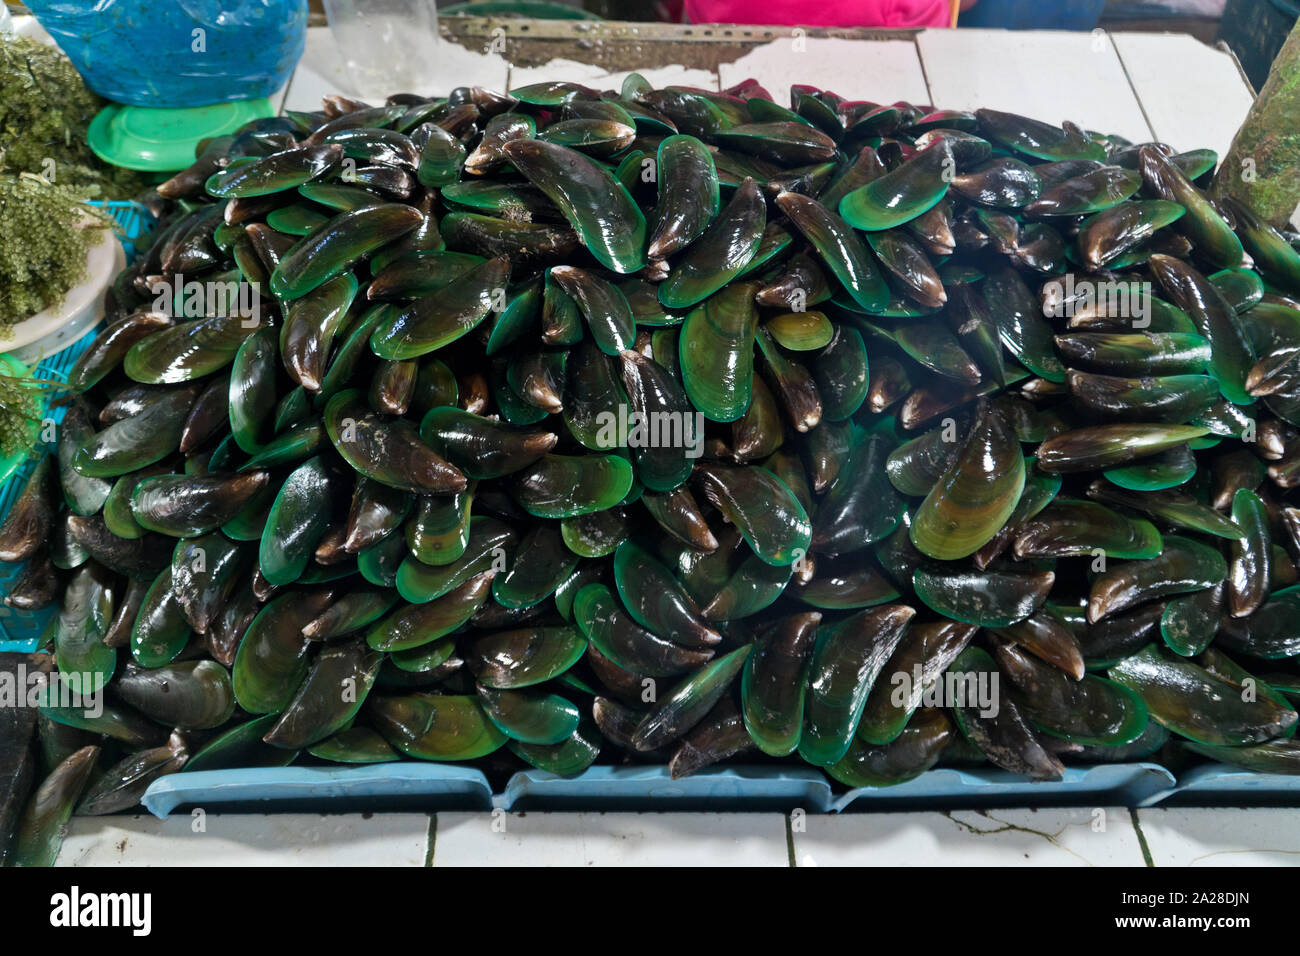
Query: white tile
1045, 837
610, 839
883, 71
1193, 94
307, 839
603, 79
321, 70
1222, 836
1048, 75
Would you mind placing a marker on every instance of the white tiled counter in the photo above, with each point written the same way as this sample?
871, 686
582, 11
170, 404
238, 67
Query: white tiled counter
1102, 836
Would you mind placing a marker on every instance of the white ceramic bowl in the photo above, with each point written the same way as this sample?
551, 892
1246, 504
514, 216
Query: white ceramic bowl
54, 329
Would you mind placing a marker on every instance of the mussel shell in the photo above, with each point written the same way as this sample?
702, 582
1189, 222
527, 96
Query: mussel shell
189, 695
1196, 704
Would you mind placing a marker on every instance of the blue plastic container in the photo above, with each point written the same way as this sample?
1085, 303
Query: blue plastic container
179, 53
1033, 14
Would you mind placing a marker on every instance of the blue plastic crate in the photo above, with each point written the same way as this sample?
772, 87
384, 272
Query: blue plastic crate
19, 630
133, 220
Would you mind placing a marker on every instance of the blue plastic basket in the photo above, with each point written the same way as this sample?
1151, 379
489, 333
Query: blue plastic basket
19, 630
133, 220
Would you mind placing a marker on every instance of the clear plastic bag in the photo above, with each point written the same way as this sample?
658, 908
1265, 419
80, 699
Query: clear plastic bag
182, 53
388, 46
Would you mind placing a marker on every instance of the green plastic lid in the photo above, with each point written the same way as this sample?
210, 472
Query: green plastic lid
156, 140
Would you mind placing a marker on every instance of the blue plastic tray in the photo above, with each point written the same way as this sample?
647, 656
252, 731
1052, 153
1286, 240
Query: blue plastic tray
432, 786
1221, 785
392, 786
1123, 784
751, 789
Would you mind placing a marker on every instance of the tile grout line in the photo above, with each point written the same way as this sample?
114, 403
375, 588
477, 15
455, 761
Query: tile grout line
1241, 70
1128, 79
1142, 837
432, 839
284, 97
925, 76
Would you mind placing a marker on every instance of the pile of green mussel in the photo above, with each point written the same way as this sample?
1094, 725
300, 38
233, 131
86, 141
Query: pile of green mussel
382, 514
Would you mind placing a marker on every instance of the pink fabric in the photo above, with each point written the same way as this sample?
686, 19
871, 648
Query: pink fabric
822, 13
